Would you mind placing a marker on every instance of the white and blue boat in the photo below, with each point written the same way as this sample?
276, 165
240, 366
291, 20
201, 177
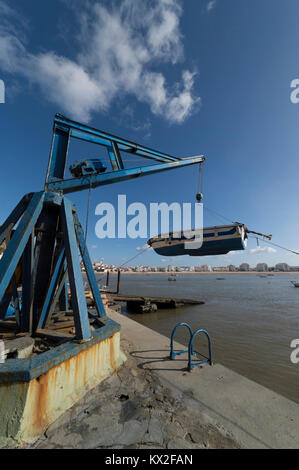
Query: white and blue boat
217, 240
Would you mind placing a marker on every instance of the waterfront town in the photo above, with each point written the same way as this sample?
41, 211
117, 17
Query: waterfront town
244, 267
145, 142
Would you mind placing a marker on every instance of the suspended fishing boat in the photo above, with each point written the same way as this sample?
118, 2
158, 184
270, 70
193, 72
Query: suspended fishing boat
217, 240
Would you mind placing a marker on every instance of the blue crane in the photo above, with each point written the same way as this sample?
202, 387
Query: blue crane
41, 253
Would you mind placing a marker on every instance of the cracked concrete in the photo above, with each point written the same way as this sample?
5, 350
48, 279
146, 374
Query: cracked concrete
132, 409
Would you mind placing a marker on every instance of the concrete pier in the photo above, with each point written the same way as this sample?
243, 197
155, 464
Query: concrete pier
149, 402
254, 416
143, 304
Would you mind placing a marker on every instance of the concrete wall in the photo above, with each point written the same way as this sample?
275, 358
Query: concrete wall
28, 408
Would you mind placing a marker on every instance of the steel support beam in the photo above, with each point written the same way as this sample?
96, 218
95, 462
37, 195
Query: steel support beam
89, 269
90, 134
4, 304
43, 320
61, 288
63, 298
58, 154
44, 256
81, 183
115, 157
27, 285
14, 251
14, 216
79, 306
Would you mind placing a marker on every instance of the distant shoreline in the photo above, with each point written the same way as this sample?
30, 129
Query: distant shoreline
264, 273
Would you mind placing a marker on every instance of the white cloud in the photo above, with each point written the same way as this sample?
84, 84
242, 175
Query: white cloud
8, 16
260, 249
118, 47
211, 5
227, 255
144, 247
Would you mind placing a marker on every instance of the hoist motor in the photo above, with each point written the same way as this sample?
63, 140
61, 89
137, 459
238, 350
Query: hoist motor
87, 166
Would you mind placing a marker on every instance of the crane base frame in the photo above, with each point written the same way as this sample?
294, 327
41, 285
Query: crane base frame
20, 266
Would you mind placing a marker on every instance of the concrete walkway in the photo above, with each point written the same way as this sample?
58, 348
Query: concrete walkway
132, 409
253, 415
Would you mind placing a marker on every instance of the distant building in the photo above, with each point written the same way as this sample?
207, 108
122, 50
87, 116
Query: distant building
294, 268
281, 267
206, 268
232, 268
171, 268
220, 269
262, 267
244, 267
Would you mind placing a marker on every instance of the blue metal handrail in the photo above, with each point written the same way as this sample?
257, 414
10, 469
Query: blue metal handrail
190, 346
190, 350
172, 353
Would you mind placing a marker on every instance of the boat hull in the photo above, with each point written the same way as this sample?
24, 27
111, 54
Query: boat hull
216, 241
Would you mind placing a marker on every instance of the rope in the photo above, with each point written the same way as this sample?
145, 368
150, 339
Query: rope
275, 244
130, 259
138, 254
87, 210
87, 216
218, 215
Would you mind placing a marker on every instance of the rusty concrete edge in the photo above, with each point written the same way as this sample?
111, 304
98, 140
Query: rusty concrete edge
30, 407
24, 370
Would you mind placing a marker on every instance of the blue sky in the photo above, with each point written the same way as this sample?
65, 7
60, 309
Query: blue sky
185, 77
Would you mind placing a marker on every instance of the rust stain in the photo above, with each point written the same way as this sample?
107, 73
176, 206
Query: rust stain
54, 392
112, 355
41, 404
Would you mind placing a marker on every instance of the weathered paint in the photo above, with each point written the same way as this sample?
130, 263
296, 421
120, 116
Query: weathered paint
13, 400
14, 370
32, 406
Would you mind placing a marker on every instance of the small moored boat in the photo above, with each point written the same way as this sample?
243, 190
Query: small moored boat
295, 284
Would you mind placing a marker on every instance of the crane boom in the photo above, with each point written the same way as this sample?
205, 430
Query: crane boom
64, 129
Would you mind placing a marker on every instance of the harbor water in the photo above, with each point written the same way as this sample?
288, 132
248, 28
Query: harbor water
251, 320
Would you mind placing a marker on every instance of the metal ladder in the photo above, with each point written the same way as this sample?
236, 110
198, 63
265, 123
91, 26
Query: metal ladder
190, 350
